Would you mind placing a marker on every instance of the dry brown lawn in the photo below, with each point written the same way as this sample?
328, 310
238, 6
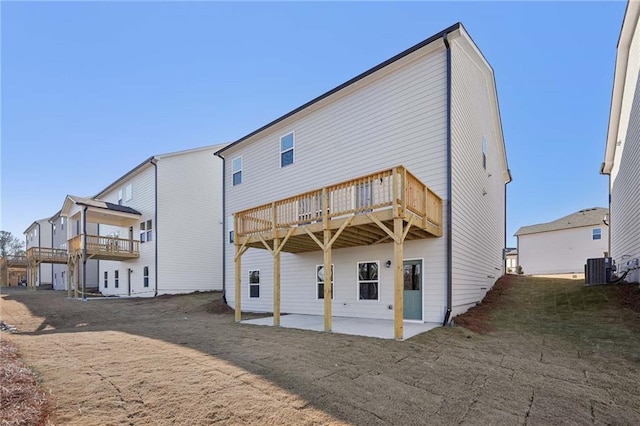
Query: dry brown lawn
555, 353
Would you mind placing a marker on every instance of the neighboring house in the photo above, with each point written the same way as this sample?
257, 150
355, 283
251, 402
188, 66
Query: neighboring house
158, 227
38, 234
394, 180
511, 259
59, 242
622, 155
561, 248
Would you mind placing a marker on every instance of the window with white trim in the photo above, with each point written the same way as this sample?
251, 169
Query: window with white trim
254, 284
128, 192
287, 149
236, 171
145, 276
120, 197
61, 223
230, 228
596, 233
146, 231
368, 282
320, 277
116, 278
106, 279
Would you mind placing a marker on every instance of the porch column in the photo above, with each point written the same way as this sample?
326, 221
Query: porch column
398, 279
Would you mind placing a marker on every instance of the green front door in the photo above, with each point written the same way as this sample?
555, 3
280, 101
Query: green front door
412, 273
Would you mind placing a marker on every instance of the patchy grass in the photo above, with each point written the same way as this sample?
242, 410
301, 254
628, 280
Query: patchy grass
22, 402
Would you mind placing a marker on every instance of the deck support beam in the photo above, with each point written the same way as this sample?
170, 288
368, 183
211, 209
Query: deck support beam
398, 281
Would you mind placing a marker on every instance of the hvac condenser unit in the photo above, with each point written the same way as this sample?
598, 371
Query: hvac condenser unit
598, 271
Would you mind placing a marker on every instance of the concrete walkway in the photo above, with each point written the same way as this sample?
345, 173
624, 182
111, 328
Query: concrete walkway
382, 329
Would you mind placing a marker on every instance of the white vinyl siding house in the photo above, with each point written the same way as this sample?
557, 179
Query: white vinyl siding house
38, 234
178, 196
622, 155
393, 115
561, 248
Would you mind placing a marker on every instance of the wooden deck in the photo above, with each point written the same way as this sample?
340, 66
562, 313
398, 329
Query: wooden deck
11, 266
358, 207
105, 248
47, 255
388, 206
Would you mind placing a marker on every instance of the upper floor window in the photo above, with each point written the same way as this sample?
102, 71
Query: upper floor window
146, 231
120, 197
596, 233
484, 153
237, 170
128, 192
62, 223
286, 149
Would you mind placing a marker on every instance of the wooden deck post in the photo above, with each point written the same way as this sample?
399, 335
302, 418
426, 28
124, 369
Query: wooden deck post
238, 287
69, 277
276, 282
327, 261
398, 279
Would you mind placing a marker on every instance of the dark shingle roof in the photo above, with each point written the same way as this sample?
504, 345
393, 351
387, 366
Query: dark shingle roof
586, 217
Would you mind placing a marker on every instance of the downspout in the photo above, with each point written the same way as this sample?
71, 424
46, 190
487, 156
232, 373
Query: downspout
224, 232
39, 246
51, 223
449, 188
84, 253
504, 260
155, 219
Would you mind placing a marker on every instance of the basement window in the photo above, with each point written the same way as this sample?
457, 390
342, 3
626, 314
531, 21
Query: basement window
320, 276
106, 279
254, 284
145, 276
116, 278
286, 150
596, 233
368, 280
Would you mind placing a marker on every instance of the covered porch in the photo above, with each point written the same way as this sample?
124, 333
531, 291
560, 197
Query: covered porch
85, 245
387, 206
38, 255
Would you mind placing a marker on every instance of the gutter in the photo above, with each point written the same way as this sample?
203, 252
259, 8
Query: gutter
154, 161
449, 215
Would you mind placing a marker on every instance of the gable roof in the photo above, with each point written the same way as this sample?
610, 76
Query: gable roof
348, 83
152, 160
34, 224
82, 201
586, 217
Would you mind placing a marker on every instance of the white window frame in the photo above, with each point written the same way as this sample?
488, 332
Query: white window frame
234, 171
143, 231
62, 223
594, 233
318, 282
119, 197
292, 149
358, 281
106, 279
128, 192
149, 230
253, 284
145, 276
230, 229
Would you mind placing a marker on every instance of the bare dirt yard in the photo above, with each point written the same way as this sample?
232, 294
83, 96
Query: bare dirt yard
546, 352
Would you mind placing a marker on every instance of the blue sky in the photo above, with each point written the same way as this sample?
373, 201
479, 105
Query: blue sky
89, 90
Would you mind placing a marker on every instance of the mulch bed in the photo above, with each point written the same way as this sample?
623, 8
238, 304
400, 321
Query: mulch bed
22, 402
476, 319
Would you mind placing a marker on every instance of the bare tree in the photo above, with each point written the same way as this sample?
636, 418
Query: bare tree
10, 245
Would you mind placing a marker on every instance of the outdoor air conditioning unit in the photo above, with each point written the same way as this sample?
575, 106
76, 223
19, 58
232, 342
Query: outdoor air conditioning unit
598, 271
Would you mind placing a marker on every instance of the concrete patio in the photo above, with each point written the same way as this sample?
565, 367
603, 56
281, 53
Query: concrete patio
382, 329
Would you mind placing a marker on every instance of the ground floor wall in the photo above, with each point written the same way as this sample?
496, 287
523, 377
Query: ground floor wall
128, 278
299, 282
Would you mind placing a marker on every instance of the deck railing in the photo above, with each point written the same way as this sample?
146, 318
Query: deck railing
12, 260
361, 195
45, 254
98, 244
